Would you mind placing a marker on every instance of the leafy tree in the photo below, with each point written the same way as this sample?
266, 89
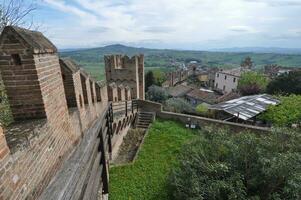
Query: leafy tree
286, 84
285, 114
252, 83
159, 77
5, 111
247, 63
156, 93
149, 79
178, 105
221, 166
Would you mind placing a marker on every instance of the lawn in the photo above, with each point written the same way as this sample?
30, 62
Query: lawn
147, 177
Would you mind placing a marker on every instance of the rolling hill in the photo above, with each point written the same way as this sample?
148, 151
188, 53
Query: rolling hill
92, 59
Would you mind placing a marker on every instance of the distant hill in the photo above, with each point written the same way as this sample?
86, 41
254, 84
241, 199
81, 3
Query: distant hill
92, 59
261, 50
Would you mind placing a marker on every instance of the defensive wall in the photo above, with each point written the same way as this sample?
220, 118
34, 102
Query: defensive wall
55, 105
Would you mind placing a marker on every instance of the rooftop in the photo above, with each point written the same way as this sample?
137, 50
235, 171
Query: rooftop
178, 90
206, 96
248, 106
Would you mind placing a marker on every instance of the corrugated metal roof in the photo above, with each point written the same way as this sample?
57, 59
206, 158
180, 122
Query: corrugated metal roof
248, 106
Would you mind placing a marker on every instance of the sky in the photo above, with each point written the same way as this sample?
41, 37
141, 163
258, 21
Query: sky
172, 24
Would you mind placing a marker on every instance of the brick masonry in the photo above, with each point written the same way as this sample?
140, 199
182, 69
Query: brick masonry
53, 104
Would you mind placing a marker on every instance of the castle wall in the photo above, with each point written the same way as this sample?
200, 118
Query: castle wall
128, 71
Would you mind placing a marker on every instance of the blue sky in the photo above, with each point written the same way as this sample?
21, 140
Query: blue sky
179, 24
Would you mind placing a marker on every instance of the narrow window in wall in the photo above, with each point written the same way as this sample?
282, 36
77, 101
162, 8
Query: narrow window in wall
225, 77
234, 79
115, 98
16, 59
92, 92
217, 75
224, 88
84, 87
216, 85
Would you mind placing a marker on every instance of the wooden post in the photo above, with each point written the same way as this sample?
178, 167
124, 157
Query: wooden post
103, 162
126, 108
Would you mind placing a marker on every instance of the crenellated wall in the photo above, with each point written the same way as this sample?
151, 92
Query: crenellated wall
54, 104
121, 69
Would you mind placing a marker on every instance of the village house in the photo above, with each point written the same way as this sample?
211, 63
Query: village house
227, 80
198, 96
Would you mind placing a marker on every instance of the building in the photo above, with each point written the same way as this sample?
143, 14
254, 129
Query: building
227, 80
198, 96
178, 91
245, 108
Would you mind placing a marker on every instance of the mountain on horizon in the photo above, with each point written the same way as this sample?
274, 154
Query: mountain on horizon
125, 49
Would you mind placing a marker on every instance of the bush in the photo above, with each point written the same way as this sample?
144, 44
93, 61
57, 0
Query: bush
285, 114
252, 83
178, 105
286, 84
220, 165
202, 109
156, 93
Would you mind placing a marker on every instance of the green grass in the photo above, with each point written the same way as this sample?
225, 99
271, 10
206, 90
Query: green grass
146, 179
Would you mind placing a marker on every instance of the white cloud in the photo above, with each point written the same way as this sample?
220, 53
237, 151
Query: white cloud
169, 21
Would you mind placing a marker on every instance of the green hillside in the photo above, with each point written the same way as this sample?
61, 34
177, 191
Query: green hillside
92, 59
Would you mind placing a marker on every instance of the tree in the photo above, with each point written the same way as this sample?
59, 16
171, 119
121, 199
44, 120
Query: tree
149, 80
178, 105
220, 165
159, 77
252, 83
285, 114
286, 84
16, 13
156, 93
247, 63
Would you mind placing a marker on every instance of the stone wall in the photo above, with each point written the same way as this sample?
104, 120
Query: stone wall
150, 106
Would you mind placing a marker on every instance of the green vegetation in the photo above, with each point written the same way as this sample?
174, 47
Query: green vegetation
202, 109
178, 105
147, 178
252, 83
285, 114
149, 80
92, 59
5, 112
220, 165
156, 93
286, 84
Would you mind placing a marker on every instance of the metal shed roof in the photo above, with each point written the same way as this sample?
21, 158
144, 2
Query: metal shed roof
248, 106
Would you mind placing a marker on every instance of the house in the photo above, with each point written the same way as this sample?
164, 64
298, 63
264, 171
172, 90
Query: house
227, 80
178, 91
245, 108
198, 96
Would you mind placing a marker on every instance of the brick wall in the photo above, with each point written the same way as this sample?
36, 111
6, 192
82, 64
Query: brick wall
68, 85
128, 71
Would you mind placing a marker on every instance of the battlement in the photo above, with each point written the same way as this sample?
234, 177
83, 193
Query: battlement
54, 103
125, 70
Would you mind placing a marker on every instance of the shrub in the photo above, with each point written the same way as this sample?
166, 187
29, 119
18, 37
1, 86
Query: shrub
286, 84
220, 165
252, 83
178, 105
285, 114
156, 93
202, 109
